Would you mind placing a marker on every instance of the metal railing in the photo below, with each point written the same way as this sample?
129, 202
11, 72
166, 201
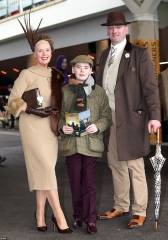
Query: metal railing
11, 7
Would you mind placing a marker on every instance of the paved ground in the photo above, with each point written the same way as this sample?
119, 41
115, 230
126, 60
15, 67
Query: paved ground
17, 204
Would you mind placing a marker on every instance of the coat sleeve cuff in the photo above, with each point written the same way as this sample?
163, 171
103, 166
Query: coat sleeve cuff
61, 131
154, 116
16, 105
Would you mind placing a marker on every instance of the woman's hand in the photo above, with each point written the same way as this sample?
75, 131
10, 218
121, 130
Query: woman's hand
67, 130
92, 129
24, 109
40, 112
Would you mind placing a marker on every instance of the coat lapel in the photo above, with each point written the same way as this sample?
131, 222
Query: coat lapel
106, 53
124, 60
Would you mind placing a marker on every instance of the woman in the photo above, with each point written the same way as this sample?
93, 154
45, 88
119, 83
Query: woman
38, 127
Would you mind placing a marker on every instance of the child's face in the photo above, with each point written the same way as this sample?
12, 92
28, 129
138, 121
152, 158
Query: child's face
82, 71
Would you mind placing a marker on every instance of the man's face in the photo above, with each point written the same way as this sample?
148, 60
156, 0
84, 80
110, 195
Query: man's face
64, 64
82, 71
9, 89
117, 33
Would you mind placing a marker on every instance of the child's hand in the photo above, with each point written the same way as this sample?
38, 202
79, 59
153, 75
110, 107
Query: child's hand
92, 129
67, 130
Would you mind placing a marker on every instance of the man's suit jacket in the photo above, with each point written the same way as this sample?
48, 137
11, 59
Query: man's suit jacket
163, 91
136, 98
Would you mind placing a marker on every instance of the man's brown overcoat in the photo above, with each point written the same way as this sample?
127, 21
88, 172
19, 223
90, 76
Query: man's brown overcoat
136, 98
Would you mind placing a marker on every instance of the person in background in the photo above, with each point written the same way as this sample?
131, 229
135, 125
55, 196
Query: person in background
95, 69
62, 65
2, 109
2, 159
2, 102
12, 117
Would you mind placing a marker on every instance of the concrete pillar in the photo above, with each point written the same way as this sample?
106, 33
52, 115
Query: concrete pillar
146, 34
100, 46
144, 31
31, 61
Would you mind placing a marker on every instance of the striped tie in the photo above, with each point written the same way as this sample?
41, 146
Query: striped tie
111, 60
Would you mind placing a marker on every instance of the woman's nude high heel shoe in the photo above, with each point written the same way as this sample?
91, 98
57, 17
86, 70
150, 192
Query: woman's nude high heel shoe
67, 230
41, 229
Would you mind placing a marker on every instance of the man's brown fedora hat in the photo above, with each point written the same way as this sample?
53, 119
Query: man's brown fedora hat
115, 18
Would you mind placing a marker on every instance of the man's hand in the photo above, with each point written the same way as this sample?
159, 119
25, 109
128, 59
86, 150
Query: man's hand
4, 114
67, 130
92, 129
155, 124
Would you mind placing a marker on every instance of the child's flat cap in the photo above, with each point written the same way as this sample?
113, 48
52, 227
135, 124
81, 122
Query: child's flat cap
82, 59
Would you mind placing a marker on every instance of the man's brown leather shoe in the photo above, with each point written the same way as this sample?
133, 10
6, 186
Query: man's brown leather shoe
136, 221
111, 214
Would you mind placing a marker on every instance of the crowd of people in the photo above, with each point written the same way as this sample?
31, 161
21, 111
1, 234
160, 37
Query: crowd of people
122, 95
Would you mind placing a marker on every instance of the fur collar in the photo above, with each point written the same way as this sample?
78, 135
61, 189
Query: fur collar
57, 81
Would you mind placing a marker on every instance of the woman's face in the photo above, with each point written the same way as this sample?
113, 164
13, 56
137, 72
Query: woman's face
42, 54
82, 71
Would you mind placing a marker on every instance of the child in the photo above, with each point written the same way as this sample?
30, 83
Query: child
81, 152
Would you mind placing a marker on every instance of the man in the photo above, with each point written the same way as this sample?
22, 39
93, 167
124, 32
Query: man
2, 159
127, 75
62, 65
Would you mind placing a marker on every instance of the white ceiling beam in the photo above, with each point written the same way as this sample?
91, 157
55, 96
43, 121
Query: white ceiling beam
136, 7
142, 11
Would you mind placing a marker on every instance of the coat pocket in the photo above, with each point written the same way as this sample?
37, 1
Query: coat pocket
96, 143
66, 143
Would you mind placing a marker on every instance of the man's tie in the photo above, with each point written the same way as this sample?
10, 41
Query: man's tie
111, 60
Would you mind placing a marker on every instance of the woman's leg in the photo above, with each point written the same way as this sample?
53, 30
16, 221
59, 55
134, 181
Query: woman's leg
52, 196
41, 200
